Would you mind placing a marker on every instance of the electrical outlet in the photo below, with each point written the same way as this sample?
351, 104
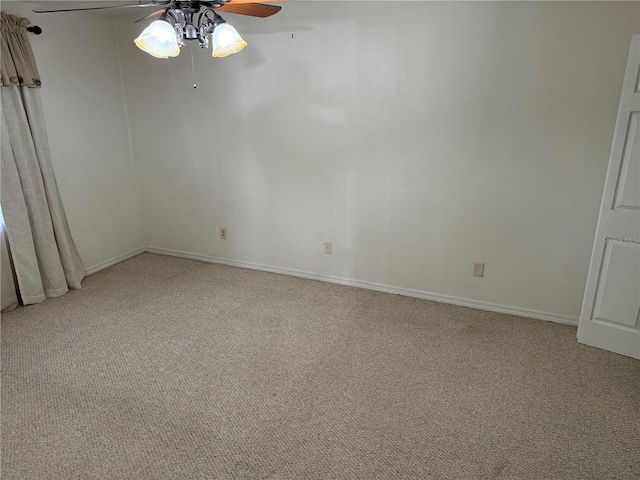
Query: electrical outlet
328, 248
478, 269
223, 233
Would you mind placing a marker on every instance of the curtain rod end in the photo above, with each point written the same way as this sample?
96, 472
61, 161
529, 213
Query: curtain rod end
34, 29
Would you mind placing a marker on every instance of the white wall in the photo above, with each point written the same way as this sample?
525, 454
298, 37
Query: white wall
86, 122
418, 138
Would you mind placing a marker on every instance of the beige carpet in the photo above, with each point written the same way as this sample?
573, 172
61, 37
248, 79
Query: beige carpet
165, 368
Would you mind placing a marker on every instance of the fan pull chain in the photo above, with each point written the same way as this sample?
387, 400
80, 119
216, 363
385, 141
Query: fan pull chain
193, 67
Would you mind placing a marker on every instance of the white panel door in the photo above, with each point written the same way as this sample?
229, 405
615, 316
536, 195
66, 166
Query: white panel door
610, 316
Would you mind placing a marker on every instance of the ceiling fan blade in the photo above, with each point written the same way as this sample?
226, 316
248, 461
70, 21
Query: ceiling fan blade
238, 2
252, 9
152, 15
77, 6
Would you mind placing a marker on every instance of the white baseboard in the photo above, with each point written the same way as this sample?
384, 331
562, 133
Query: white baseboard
492, 307
114, 260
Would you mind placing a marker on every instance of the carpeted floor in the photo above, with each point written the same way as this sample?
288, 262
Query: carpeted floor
165, 368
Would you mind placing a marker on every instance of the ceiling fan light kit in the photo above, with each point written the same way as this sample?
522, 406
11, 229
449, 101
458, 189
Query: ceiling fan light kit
164, 37
174, 24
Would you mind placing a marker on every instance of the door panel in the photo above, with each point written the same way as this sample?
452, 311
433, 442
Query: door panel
617, 299
628, 185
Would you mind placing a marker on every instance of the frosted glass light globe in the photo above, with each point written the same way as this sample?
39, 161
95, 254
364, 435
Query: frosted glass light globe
159, 39
225, 40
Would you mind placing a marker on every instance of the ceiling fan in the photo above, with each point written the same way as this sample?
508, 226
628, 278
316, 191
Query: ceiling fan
180, 21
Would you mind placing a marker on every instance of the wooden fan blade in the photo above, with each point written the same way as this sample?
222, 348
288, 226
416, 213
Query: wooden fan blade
151, 15
89, 5
252, 9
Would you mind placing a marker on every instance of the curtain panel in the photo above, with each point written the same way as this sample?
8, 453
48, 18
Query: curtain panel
45, 258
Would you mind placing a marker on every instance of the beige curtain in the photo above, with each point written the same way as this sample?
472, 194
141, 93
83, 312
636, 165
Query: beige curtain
17, 62
44, 256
